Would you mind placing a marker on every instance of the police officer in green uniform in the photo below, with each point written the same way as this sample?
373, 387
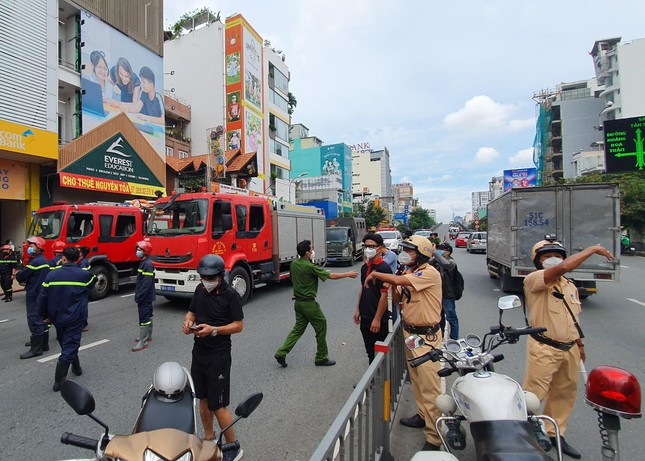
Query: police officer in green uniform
304, 277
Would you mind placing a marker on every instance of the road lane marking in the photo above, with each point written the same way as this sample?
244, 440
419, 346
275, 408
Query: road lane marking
624, 267
5, 320
82, 348
496, 289
125, 296
636, 301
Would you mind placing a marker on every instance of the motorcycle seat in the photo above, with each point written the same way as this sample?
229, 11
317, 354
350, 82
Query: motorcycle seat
160, 413
506, 441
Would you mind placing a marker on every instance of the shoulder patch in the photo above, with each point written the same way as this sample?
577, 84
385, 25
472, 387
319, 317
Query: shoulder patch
418, 274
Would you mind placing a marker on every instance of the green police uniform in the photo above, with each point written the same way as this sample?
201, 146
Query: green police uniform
304, 277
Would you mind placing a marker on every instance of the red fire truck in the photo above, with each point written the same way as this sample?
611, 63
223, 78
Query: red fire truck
255, 235
109, 230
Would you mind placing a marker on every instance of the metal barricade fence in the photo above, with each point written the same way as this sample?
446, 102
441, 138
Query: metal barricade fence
361, 430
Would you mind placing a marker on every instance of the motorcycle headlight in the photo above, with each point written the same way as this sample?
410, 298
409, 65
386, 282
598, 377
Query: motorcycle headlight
150, 455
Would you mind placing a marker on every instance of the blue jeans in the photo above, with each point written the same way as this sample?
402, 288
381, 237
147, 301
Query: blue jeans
449, 313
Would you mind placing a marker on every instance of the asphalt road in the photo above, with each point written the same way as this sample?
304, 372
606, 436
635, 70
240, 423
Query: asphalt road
301, 400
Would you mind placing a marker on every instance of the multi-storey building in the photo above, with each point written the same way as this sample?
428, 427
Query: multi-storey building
372, 176
479, 200
178, 115
495, 187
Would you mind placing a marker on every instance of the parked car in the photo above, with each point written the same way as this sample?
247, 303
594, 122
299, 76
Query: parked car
476, 242
462, 239
392, 239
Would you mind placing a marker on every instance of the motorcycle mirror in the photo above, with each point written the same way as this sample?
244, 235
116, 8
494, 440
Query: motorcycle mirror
509, 302
249, 404
78, 397
413, 342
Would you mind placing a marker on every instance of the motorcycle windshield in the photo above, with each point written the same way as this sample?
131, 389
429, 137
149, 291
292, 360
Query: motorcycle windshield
180, 217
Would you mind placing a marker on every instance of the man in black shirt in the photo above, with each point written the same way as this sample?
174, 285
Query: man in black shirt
215, 314
371, 311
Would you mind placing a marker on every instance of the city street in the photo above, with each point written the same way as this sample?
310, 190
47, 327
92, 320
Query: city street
301, 400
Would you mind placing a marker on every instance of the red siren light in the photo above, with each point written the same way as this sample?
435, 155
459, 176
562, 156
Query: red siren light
614, 391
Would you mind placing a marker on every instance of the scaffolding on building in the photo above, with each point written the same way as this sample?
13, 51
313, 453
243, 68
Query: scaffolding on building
542, 149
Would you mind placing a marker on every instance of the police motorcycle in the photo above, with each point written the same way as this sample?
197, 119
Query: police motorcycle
502, 417
165, 429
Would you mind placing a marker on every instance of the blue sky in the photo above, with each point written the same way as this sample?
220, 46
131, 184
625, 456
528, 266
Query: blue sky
446, 86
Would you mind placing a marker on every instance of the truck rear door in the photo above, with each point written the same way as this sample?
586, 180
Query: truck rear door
535, 216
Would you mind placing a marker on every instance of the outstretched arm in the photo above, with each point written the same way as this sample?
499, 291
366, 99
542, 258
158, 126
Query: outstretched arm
572, 262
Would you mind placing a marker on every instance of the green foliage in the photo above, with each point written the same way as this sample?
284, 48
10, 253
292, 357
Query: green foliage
632, 195
483, 224
402, 228
374, 215
192, 183
420, 219
186, 19
293, 102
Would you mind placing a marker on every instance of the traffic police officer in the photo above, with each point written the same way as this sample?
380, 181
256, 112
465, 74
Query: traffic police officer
8, 264
419, 286
145, 294
304, 277
32, 276
553, 357
64, 299
56, 261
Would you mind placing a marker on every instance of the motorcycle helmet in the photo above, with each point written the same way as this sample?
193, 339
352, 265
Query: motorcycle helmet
421, 244
38, 241
146, 247
546, 246
58, 246
211, 265
169, 381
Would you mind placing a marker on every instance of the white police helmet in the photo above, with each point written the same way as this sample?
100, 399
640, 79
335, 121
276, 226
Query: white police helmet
169, 380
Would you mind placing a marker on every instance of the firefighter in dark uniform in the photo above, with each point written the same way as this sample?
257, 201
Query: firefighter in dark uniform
32, 276
63, 300
83, 263
8, 265
56, 261
145, 294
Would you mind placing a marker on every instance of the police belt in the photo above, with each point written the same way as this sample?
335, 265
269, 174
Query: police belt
539, 337
298, 298
429, 330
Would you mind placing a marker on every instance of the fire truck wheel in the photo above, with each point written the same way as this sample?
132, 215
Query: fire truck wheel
241, 282
102, 286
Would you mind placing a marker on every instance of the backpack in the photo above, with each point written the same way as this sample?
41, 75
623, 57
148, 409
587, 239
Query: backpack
457, 284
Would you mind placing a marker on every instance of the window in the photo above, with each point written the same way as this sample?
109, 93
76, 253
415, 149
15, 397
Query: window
278, 100
105, 225
281, 81
220, 209
281, 128
183, 154
169, 151
256, 218
240, 215
125, 226
277, 148
79, 225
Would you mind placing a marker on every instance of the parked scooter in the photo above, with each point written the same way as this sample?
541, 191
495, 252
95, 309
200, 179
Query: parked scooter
613, 393
165, 429
502, 417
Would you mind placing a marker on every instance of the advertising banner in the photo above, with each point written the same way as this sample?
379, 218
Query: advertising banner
13, 176
120, 75
252, 134
252, 70
27, 140
114, 167
625, 144
523, 177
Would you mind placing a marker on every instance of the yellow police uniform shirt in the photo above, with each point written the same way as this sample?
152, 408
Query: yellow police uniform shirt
424, 308
545, 310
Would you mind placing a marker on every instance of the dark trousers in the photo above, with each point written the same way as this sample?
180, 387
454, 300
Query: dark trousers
449, 313
69, 338
34, 318
370, 338
145, 313
7, 285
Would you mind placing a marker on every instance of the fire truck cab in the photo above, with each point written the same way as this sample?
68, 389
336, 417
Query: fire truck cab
109, 230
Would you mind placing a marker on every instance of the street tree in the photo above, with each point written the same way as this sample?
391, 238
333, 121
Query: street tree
420, 219
374, 215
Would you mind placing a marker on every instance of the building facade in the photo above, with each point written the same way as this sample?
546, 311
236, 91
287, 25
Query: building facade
479, 200
372, 176
495, 187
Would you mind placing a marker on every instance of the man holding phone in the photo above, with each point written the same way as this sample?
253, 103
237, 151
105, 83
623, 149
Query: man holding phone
215, 313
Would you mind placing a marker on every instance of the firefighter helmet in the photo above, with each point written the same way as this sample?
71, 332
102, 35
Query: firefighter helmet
58, 246
38, 241
146, 247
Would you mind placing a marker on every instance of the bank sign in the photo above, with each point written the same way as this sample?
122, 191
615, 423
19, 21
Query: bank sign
115, 167
625, 144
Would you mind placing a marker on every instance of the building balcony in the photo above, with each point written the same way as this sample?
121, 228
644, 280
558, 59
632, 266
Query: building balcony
175, 107
177, 145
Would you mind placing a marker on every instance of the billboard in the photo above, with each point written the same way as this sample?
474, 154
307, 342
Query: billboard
13, 178
625, 144
120, 75
244, 94
523, 177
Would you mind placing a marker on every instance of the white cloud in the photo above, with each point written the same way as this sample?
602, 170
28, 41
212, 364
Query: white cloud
523, 158
483, 156
482, 113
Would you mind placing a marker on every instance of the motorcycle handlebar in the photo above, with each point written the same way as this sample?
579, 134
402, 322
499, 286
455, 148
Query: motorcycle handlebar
423, 359
498, 358
527, 331
78, 441
445, 372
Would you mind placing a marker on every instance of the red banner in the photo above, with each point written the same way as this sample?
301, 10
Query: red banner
78, 181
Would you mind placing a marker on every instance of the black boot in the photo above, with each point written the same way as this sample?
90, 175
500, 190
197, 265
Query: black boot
566, 448
415, 421
46, 341
76, 366
36, 348
60, 375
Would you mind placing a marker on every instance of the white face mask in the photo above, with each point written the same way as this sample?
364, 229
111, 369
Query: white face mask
370, 253
404, 258
553, 261
313, 255
210, 285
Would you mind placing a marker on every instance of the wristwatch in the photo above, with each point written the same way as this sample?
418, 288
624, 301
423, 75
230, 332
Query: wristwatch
214, 333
